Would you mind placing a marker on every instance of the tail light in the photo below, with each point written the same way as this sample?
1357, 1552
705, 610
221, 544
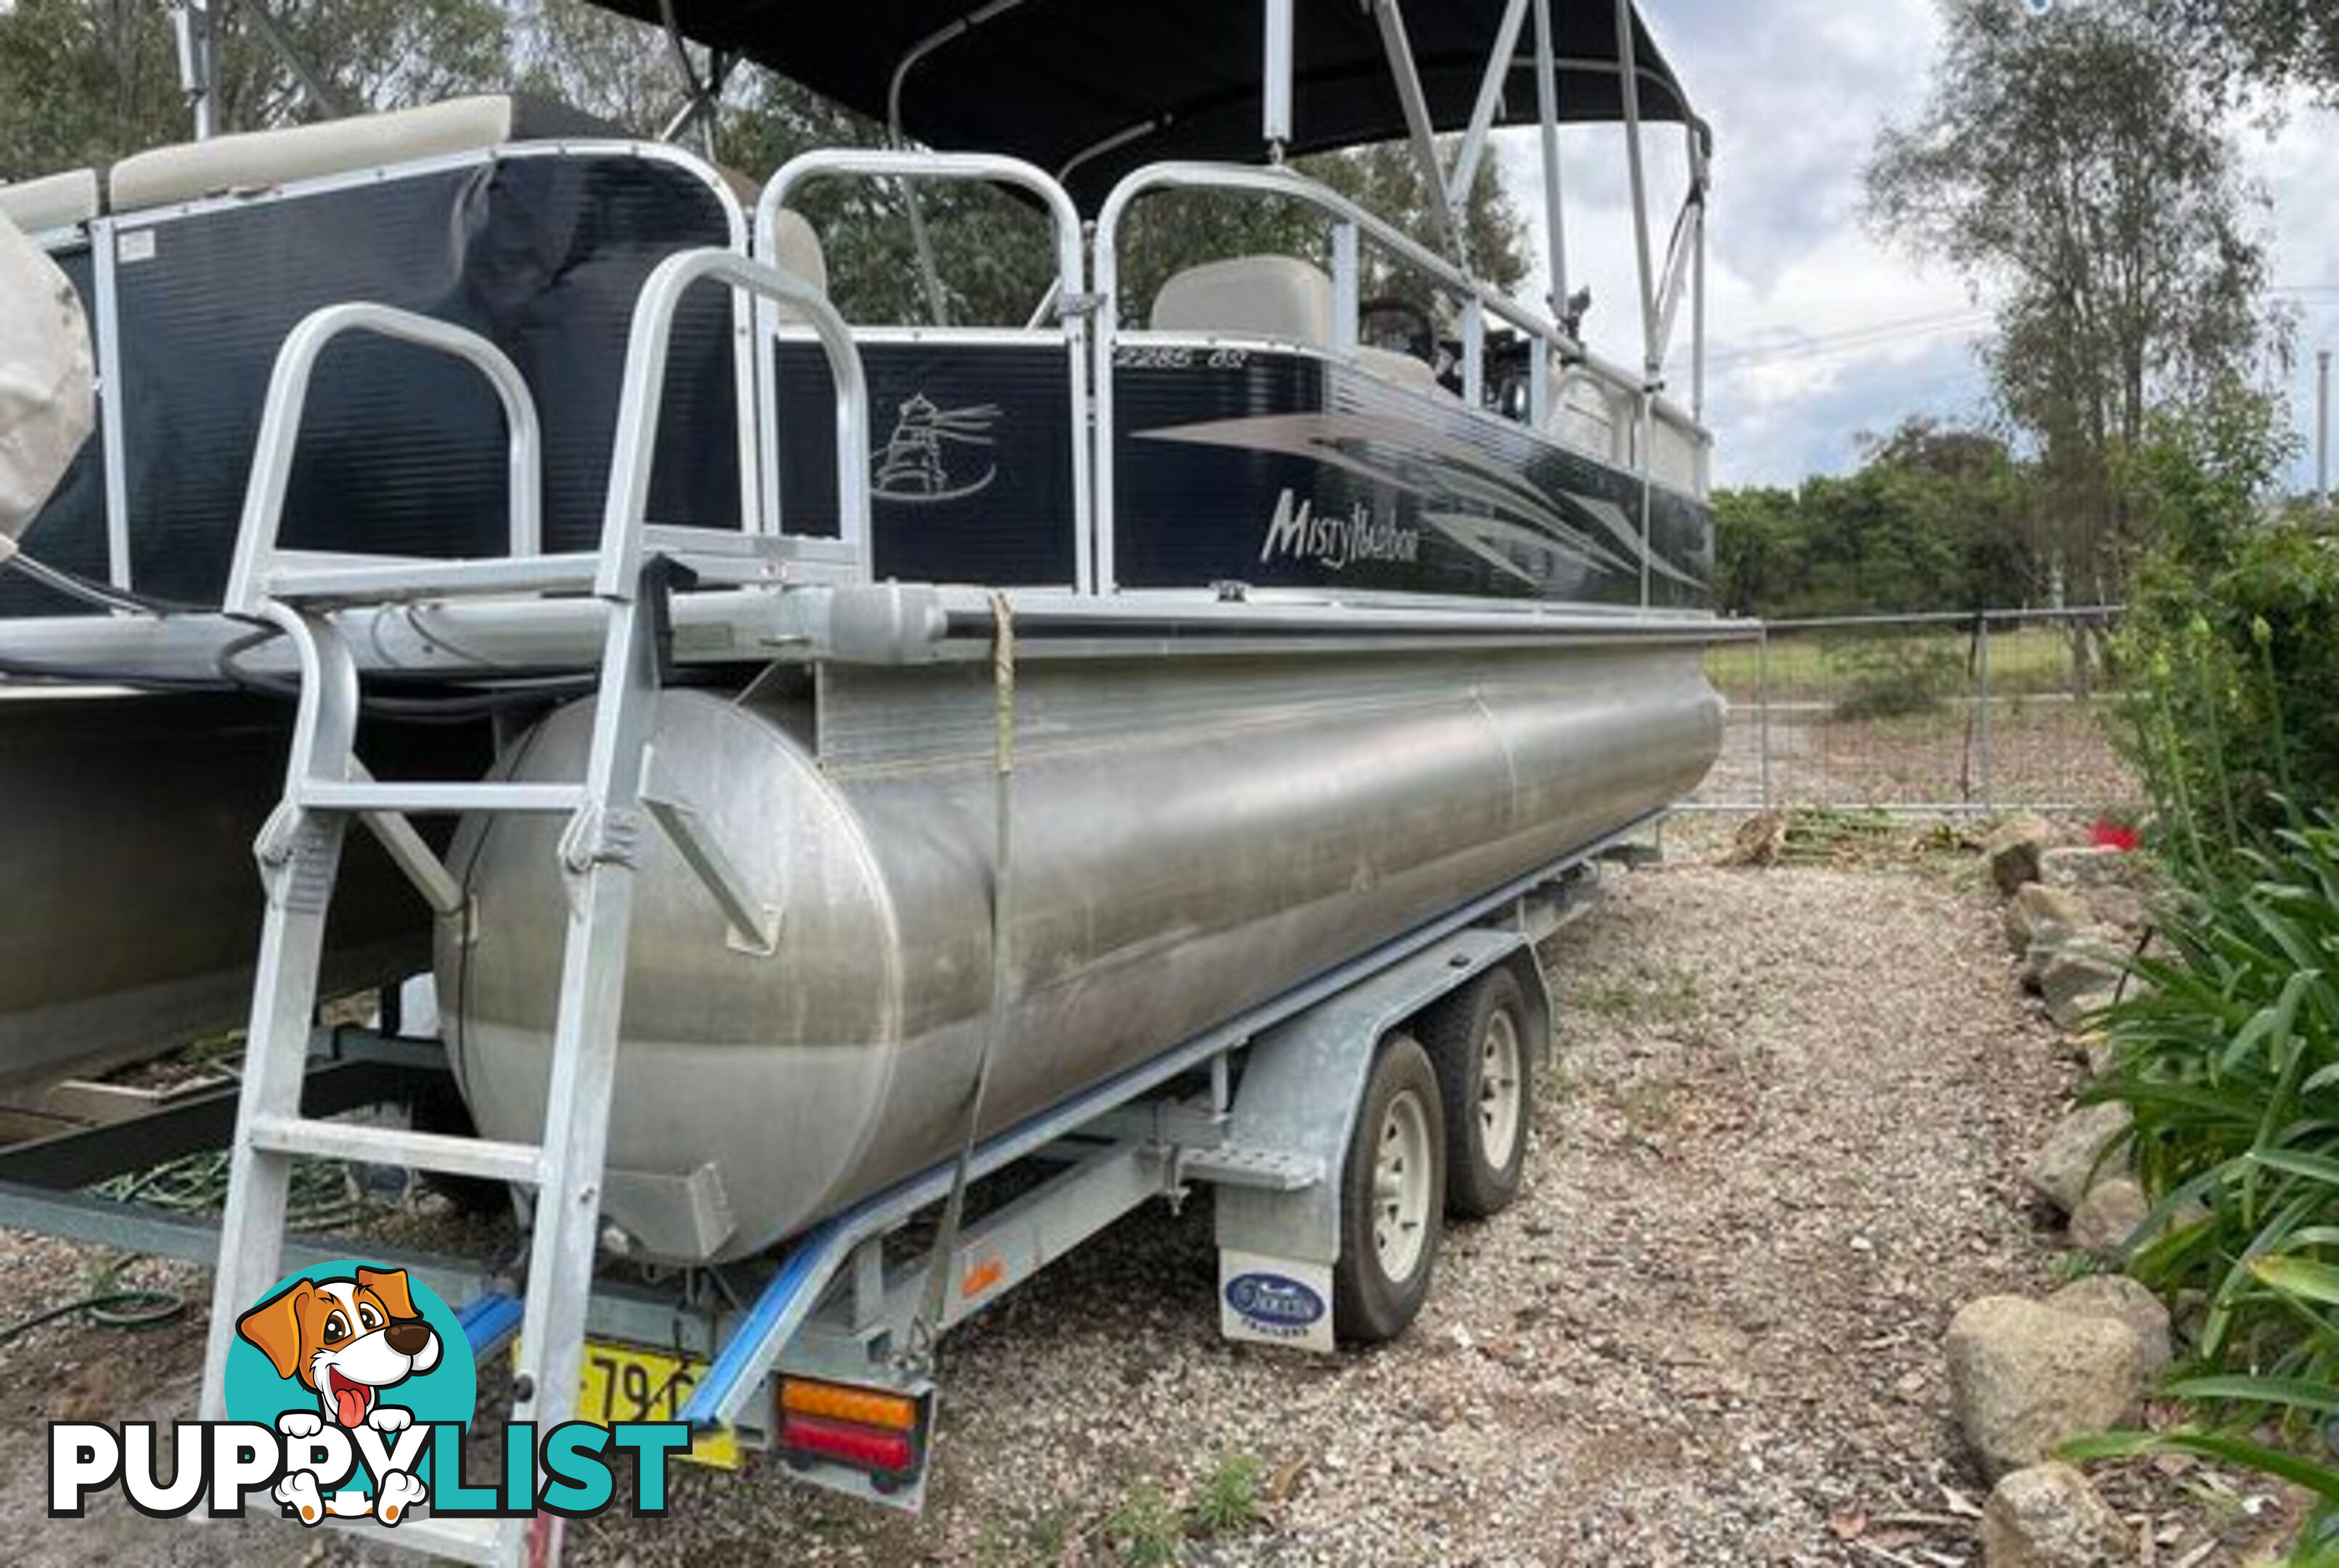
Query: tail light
873, 1430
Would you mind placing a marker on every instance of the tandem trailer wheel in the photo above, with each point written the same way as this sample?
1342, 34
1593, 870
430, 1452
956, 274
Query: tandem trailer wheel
1392, 1198
1477, 1038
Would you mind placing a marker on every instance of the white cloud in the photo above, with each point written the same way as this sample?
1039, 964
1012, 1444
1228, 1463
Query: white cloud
1818, 330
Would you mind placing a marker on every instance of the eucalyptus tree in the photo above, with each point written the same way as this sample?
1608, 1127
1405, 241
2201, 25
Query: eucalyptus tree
2075, 168
90, 81
2267, 43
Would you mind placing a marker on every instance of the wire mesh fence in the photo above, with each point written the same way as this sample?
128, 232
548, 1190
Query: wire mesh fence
1948, 713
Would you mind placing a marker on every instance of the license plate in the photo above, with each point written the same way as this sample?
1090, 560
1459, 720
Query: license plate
629, 1382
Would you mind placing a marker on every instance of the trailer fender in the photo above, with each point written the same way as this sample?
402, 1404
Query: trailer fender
1298, 1098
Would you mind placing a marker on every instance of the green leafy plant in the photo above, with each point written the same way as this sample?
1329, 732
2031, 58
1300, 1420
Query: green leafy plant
1893, 677
2232, 638
1143, 1531
2073, 1265
2228, 1057
1229, 1500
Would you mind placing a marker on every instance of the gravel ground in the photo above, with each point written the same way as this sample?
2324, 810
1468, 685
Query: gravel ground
1782, 1145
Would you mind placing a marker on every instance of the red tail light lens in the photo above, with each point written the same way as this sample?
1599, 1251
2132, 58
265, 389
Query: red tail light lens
863, 1447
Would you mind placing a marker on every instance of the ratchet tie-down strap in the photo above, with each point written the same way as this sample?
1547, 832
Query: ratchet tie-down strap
942, 1261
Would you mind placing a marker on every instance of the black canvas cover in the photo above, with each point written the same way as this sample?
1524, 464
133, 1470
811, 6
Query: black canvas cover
1051, 80
401, 451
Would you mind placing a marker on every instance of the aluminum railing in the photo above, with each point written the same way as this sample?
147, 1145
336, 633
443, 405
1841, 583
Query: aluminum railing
1069, 299
1647, 405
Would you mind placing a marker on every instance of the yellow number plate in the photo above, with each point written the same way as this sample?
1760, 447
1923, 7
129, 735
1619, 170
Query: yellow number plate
627, 1383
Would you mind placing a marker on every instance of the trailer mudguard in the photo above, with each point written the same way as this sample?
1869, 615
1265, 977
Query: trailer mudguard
1299, 1094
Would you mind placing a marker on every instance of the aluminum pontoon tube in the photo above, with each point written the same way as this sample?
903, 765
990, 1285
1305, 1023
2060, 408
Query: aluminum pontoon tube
126, 823
1193, 836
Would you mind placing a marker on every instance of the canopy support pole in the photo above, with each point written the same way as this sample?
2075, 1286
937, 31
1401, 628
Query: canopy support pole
702, 96
1275, 96
930, 276
198, 72
1698, 177
1481, 115
701, 108
1554, 213
1399, 50
1630, 81
328, 102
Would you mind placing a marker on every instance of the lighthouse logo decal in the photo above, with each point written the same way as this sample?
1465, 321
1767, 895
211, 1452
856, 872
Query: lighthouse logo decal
935, 454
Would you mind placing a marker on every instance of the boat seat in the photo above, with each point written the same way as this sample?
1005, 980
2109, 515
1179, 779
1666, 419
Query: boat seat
51, 202
261, 160
1278, 297
1250, 296
795, 243
796, 248
1393, 365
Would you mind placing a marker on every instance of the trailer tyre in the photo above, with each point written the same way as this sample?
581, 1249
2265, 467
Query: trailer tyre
1393, 1197
1477, 1040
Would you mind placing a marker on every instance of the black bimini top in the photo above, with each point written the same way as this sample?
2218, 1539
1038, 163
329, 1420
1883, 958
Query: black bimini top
1089, 89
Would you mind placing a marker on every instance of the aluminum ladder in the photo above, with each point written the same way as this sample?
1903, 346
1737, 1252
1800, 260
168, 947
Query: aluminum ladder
298, 594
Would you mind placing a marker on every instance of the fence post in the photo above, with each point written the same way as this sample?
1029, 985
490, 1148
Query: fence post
1982, 726
1762, 713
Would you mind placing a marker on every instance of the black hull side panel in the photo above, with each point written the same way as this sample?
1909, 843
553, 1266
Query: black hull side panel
971, 461
1283, 470
402, 451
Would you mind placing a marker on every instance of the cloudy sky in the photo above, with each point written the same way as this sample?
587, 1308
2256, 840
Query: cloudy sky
1816, 331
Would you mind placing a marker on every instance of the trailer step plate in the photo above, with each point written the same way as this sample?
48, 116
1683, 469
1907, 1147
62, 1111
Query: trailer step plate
1230, 1165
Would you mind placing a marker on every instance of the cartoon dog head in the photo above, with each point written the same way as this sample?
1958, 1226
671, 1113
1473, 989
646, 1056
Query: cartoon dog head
345, 1339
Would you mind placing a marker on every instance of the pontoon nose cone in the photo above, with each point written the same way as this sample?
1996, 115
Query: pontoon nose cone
750, 1080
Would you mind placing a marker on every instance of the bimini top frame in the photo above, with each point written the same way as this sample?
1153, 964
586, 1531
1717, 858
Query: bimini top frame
1091, 91
1095, 92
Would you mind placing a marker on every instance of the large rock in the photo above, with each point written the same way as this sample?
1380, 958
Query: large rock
2118, 904
2117, 1295
2016, 850
2037, 908
2047, 1516
2074, 1156
2090, 867
2051, 940
2110, 1213
2078, 981
2025, 1379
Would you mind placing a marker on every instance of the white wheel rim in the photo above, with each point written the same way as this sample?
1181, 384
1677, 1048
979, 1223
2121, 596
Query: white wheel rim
1502, 1112
1401, 1184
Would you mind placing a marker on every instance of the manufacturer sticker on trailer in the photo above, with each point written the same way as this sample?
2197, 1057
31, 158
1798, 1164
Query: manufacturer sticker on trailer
1275, 1300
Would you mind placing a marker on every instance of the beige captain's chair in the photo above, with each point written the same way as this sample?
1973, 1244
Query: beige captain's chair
1276, 297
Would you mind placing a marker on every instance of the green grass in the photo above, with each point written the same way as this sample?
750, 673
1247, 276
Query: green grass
1144, 1530
1664, 997
1229, 1500
1814, 666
